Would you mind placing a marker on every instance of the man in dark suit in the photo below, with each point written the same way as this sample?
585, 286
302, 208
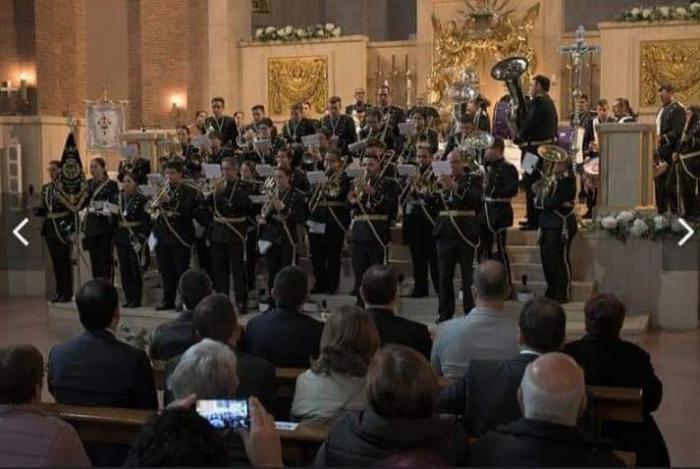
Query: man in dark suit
609, 361
215, 318
284, 335
96, 369
670, 122
487, 395
379, 293
173, 337
393, 115
552, 397
341, 126
539, 128
222, 125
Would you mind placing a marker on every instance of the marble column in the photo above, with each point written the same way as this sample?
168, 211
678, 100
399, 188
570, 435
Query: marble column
229, 22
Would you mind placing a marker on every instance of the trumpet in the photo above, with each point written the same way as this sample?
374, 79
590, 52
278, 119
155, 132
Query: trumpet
268, 207
155, 204
268, 186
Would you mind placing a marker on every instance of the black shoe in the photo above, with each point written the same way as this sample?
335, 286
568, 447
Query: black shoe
332, 291
241, 309
165, 307
127, 304
441, 319
135, 304
65, 299
417, 294
523, 222
529, 228
353, 292
179, 308
56, 298
318, 290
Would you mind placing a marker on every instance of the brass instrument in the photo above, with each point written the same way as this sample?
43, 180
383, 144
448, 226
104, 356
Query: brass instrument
268, 186
268, 208
545, 186
477, 140
329, 188
155, 204
423, 184
361, 184
510, 71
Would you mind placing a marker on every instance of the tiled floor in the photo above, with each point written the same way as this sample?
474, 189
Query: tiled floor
676, 357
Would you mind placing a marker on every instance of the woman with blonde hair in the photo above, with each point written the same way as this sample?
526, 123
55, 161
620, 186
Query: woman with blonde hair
336, 378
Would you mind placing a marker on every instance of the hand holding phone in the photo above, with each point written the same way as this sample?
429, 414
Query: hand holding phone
225, 413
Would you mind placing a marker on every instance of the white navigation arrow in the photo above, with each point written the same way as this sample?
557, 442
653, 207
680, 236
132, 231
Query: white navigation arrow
18, 228
688, 235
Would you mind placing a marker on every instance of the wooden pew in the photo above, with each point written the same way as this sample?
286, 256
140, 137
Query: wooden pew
617, 404
121, 426
159, 373
286, 381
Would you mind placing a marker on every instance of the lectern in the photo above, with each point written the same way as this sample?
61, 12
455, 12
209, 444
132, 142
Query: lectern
626, 168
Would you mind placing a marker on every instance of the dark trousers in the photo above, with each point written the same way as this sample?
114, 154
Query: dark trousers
204, 256
101, 259
173, 261
556, 264
130, 270
62, 268
661, 193
424, 258
278, 257
450, 251
493, 247
252, 261
365, 254
326, 250
227, 259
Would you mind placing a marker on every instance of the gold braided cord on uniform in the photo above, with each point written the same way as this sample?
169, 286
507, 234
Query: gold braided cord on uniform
673, 62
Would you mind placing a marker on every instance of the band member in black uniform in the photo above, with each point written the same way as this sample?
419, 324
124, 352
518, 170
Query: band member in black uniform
328, 221
294, 129
372, 203
230, 205
376, 129
306, 107
585, 114
190, 153
557, 228
279, 218
298, 179
341, 126
539, 128
223, 125
420, 215
254, 186
267, 156
670, 122
313, 158
423, 135
239, 120
360, 106
479, 109
57, 229
623, 111
432, 116
174, 209
500, 186
258, 114
394, 114
99, 224
134, 225
465, 127
136, 165
218, 152
591, 147
457, 233
685, 172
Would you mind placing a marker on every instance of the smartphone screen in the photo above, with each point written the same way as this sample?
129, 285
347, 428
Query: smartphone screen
225, 413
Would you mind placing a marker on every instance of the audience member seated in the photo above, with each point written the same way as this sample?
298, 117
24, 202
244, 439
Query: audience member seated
179, 437
607, 360
486, 332
215, 318
27, 436
173, 337
284, 335
207, 369
552, 396
97, 369
400, 419
336, 379
379, 291
487, 395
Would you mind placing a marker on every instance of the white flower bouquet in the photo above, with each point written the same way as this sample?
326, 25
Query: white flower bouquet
662, 13
291, 34
628, 223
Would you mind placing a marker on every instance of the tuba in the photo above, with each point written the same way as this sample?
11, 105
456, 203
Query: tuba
477, 140
551, 155
510, 71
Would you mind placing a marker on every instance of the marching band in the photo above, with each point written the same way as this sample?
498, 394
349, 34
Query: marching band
327, 182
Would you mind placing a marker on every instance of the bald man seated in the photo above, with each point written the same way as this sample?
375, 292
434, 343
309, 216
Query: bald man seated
487, 332
552, 397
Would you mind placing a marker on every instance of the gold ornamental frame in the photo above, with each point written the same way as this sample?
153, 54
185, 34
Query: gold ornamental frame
674, 62
292, 80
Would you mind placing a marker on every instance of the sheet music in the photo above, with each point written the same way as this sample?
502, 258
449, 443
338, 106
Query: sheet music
315, 177
442, 168
530, 162
211, 171
407, 128
406, 169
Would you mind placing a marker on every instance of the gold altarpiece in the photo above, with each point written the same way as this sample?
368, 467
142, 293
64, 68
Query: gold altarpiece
674, 62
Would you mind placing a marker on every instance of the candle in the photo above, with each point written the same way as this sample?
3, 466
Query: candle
393, 63
23, 89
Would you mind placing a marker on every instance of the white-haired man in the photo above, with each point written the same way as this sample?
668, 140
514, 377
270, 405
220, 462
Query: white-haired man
552, 396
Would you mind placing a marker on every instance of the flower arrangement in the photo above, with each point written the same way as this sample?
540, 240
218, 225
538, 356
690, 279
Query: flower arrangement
280, 34
628, 223
662, 13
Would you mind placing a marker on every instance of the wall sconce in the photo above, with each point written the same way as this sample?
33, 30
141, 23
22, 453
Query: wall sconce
22, 86
176, 106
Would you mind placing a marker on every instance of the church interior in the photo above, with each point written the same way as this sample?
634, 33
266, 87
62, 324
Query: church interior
323, 166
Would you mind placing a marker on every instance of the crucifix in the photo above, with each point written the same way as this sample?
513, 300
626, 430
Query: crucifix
577, 51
